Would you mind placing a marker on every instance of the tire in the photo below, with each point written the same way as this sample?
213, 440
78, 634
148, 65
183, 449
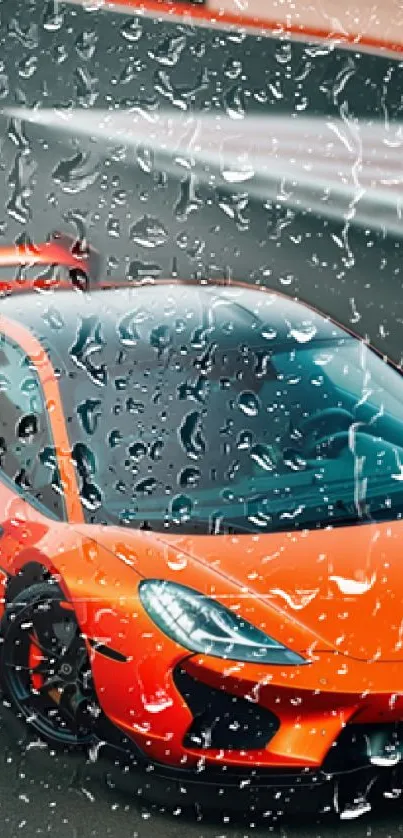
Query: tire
45, 669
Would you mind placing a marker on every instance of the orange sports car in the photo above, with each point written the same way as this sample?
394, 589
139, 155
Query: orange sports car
201, 531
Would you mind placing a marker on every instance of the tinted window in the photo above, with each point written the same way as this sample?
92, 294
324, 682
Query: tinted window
27, 453
206, 410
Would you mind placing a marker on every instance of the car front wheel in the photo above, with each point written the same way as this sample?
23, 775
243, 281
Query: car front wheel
45, 667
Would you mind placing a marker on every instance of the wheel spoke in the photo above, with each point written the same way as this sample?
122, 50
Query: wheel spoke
67, 708
50, 683
50, 653
42, 668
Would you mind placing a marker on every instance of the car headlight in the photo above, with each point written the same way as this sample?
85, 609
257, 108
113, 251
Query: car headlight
202, 625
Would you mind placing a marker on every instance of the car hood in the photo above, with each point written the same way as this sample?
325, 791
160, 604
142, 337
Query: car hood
343, 586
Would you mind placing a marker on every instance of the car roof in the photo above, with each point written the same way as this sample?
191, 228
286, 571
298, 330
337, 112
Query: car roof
229, 314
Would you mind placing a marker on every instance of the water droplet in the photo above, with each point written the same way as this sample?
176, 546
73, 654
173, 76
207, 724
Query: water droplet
53, 318
197, 391
88, 342
248, 403
238, 171
89, 414
60, 53
52, 16
129, 72
158, 704
86, 44
233, 68
137, 450
115, 438
178, 96
169, 50
156, 450
119, 197
134, 407
131, 30
148, 232
145, 158
323, 359
20, 181
5, 383
181, 509
283, 53
264, 456
233, 206
188, 201
161, 338
179, 562
17, 135
113, 227
355, 810
142, 270
28, 427
293, 460
74, 174
191, 436
28, 66
86, 87
189, 477
29, 386
244, 440
268, 332
91, 496
304, 333
128, 334
146, 486
4, 87
234, 102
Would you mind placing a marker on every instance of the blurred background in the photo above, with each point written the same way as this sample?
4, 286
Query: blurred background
194, 151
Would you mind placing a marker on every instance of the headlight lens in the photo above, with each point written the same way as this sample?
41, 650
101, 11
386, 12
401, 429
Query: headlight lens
202, 625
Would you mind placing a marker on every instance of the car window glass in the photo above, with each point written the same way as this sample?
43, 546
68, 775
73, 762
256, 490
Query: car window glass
376, 383
27, 454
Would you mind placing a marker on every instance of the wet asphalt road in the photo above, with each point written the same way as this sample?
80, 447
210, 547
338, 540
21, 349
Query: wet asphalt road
43, 794
104, 190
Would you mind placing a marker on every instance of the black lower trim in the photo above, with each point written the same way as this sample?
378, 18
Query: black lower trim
346, 780
222, 720
259, 792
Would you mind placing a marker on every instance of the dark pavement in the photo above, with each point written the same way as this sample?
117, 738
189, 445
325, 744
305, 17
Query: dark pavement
47, 794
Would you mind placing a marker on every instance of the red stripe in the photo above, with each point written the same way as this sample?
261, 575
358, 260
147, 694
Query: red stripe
200, 13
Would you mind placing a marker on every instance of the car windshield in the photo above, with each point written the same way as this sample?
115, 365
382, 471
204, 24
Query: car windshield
256, 437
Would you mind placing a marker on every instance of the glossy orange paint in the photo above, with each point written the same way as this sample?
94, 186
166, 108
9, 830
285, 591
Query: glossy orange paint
331, 595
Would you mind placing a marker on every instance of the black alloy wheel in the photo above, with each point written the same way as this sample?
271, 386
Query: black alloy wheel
45, 667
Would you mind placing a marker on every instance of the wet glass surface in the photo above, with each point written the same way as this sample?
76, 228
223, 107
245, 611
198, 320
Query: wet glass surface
183, 152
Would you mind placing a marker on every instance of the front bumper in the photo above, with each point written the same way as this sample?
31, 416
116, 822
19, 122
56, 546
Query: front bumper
238, 737
246, 717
